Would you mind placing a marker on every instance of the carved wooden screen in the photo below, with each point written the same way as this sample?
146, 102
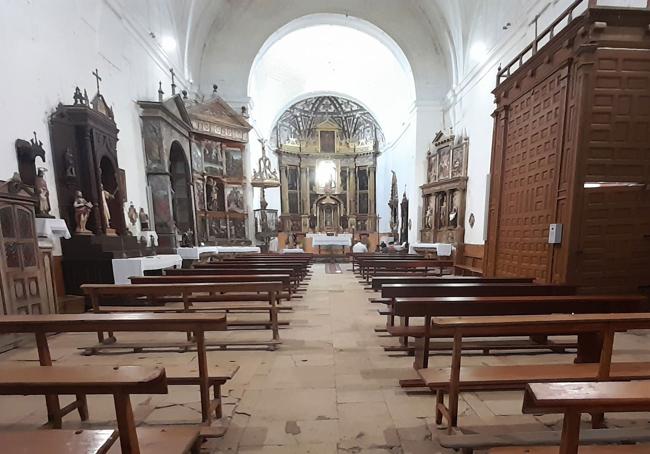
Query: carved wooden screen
530, 143
25, 293
613, 253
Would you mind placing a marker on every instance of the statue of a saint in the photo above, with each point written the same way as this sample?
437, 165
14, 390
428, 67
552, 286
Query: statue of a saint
106, 212
82, 209
144, 220
404, 227
428, 217
40, 185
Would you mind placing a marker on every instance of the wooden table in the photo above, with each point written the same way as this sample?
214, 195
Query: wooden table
120, 381
604, 325
40, 325
573, 399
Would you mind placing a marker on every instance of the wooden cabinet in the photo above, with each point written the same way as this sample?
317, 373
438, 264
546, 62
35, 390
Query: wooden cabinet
571, 146
24, 289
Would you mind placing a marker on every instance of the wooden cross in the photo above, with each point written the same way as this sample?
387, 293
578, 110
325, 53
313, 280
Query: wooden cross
96, 74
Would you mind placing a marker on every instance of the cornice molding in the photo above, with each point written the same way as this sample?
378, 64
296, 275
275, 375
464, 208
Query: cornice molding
157, 54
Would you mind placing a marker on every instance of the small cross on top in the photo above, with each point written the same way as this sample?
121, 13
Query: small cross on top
96, 74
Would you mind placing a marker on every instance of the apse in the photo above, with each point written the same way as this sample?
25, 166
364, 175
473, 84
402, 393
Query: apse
332, 54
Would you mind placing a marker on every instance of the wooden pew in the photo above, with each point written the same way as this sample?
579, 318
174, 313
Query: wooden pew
378, 281
41, 325
573, 399
503, 305
597, 366
295, 277
299, 268
371, 267
120, 382
188, 278
224, 296
355, 257
470, 289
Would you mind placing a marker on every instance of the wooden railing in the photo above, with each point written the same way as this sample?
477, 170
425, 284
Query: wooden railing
548, 33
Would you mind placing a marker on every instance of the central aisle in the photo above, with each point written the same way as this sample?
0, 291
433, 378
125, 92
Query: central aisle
330, 388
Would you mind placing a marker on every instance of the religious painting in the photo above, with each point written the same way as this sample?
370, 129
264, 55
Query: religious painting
218, 228
197, 156
215, 194
292, 177
199, 194
237, 228
234, 165
327, 141
213, 156
235, 199
457, 162
432, 175
444, 164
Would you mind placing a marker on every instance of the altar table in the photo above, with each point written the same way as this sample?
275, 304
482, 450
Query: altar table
123, 269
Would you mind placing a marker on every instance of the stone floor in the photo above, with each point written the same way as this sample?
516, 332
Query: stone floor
330, 387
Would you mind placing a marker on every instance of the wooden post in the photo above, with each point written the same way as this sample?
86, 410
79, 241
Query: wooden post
126, 424
204, 383
570, 433
454, 381
54, 416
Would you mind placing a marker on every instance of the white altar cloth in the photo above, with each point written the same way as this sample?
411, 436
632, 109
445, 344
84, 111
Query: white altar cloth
52, 228
442, 249
194, 253
338, 240
238, 249
292, 251
123, 269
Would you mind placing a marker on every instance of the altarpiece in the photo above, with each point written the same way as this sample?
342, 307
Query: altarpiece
445, 191
327, 149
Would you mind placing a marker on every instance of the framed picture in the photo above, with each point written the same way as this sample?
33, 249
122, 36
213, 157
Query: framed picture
234, 165
458, 161
444, 164
433, 168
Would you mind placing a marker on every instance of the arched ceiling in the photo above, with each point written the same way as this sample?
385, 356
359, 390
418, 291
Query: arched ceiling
219, 39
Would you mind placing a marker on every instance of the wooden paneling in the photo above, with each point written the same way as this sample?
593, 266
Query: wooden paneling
532, 142
576, 112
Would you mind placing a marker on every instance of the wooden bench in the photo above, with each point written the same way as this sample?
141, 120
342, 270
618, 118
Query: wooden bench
193, 294
501, 305
456, 378
295, 278
208, 279
371, 267
40, 325
299, 268
466, 270
471, 289
573, 399
355, 257
121, 382
377, 282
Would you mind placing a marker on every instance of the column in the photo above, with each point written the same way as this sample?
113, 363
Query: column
304, 189
284, 188
371, 190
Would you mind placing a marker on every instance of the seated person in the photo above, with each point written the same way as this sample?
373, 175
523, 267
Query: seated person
359, 248
383, 247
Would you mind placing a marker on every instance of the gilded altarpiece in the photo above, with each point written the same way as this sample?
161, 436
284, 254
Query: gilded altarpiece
327, 149
195, 155
445, 191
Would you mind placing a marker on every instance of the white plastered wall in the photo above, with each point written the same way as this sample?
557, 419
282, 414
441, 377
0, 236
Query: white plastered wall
49, 47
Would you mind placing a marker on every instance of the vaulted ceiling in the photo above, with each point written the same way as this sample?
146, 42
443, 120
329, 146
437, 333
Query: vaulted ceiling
217, 40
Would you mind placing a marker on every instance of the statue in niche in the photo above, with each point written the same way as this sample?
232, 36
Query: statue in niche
235, 200
70, 165
213, 195
82, 209
393, 203
428, 217
106, 212
144, 220
404, 227
453, 209
442, 210
133, 214
40, 185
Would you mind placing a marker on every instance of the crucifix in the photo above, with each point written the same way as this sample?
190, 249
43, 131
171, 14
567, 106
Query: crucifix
171, 70
96, 74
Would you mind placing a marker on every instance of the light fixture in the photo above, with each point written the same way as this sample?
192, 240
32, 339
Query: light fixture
168, 43
478, 52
